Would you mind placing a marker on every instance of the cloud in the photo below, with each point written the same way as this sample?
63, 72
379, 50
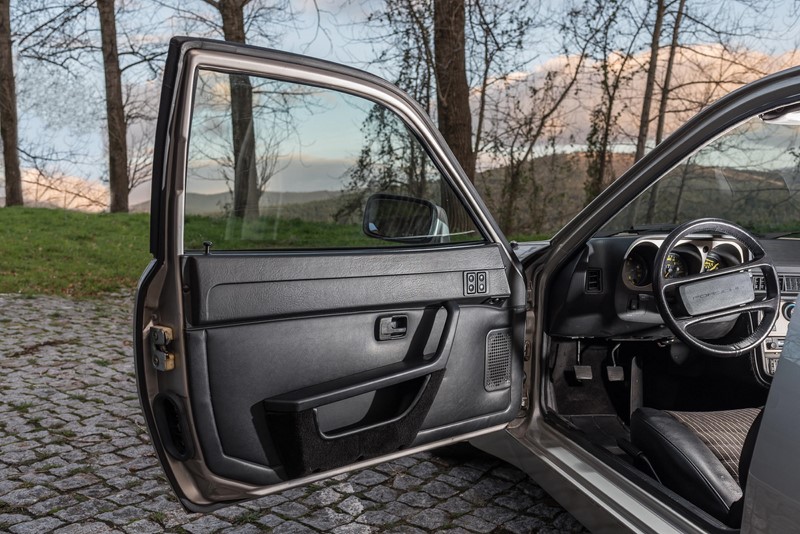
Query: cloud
701, 75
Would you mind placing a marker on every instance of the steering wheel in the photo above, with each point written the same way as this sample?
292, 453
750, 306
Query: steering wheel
716, 294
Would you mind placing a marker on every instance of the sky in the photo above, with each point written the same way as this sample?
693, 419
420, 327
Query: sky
335, 32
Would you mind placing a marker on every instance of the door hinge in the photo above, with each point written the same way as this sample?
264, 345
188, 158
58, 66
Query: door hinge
529, 298
160, 338
523, 405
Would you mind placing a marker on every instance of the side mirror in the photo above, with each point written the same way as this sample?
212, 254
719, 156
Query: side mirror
405, 219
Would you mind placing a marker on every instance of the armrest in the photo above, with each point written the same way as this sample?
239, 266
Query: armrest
371, 380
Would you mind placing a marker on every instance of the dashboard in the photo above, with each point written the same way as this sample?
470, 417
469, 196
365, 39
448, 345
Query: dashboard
606, 292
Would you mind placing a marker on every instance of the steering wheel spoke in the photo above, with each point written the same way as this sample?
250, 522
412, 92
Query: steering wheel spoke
759, 305
679, 325
749, 266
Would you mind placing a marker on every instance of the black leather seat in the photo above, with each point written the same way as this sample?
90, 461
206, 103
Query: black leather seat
702, 456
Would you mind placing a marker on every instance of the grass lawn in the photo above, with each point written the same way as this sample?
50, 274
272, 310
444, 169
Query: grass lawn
59, 252
269, 233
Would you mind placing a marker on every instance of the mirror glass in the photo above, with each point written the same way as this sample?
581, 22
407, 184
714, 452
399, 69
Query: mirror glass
400, 218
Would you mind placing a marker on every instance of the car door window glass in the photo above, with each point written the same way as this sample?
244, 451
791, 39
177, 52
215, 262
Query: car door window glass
280, 165
750, 175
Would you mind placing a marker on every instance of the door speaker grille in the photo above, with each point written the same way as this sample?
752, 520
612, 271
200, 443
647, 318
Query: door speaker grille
498, 360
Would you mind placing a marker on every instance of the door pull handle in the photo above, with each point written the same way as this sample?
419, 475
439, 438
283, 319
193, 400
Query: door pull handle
391, 327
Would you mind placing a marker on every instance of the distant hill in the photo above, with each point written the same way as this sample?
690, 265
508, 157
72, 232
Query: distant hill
32, 204
550, 193
200, 204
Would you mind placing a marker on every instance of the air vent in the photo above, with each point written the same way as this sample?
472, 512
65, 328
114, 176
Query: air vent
790, 284
758, 283
594, 281
787, 284
498, 360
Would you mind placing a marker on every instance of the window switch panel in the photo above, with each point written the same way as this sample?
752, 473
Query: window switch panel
476, 283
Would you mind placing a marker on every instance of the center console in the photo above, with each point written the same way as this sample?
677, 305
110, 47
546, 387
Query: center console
773, 345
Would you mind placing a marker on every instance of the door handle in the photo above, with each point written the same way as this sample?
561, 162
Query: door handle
392, 327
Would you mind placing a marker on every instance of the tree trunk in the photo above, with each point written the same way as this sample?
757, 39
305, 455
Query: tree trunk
665, 88
115, 111
598, 150
644, 123
513, 181
245, 186
8, 111
454, 116
662, 106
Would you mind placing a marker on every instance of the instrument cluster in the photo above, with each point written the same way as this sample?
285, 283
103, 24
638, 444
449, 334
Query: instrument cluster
689, 257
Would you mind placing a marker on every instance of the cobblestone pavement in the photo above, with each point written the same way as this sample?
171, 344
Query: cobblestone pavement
75, 456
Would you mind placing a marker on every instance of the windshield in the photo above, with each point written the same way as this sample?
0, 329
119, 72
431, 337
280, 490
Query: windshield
750, 176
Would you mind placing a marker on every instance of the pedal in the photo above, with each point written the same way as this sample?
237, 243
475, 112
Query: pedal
583, 372
615, 373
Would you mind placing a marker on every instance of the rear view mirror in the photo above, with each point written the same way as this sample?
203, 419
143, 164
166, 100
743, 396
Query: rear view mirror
405, 219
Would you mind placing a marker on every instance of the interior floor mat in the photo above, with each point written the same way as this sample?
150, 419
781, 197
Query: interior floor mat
573, 396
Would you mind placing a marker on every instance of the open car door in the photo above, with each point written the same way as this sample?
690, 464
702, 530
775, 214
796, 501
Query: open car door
327, 289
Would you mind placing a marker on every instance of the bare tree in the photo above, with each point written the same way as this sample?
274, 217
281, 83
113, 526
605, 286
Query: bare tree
724, 31
48, 183
613, 36
70, 36
256, 21
649, 85
115, 111
662, 105
527, 116
424, 54
140, 152
496, 35
8, 111
455, 50
235, 20
245, 201
666, 85
452, 94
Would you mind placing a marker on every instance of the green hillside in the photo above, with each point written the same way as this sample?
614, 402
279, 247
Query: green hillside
60, 252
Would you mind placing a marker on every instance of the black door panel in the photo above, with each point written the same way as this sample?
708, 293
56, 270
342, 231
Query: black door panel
238, 367
463, 395
301, 350
239, 287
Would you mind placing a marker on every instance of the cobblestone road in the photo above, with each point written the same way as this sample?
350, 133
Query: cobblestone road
75, 456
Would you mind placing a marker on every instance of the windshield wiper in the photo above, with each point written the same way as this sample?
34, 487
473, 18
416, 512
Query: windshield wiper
779, 235
643, 229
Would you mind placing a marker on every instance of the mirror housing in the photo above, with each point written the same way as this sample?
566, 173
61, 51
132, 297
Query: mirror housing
405, 219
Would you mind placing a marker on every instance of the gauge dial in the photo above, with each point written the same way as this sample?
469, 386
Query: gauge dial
674, 266
635, 270
712, 262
